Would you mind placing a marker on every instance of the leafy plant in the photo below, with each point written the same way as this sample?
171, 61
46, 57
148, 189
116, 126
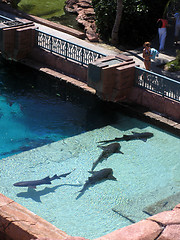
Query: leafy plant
105, 16
174, 65
138, 23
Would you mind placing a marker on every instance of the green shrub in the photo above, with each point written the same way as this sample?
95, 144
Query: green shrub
105, 11
138, 23
174, 65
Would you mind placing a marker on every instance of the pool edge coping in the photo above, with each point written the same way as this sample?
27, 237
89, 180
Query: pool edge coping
17, 222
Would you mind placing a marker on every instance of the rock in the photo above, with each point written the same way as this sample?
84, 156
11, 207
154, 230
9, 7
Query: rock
86, 16
71, 6
91, 35
84, 4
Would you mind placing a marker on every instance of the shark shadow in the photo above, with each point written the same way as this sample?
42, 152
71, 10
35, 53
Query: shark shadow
36, 195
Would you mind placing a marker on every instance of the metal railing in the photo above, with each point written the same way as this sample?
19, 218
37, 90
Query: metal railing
66, 49
4, 19
10, 22
162, 85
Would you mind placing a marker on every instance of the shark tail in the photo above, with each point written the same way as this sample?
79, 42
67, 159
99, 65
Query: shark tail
65, 174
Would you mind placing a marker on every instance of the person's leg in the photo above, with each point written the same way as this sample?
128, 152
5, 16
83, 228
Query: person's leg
160, 34
177, 31
176, 34
163, 38
147, 64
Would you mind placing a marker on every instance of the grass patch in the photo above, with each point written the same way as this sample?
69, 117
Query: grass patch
44, 8
174, 65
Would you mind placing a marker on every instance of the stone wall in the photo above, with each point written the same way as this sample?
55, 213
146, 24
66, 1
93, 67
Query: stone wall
59, 63
17, 41
155, 102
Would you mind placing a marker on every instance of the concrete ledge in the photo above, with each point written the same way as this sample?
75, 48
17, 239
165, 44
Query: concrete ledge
143, 230
18, 222
57, 26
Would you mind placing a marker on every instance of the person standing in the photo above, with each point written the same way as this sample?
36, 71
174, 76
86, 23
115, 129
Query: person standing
147, 55
162, 24
177, 26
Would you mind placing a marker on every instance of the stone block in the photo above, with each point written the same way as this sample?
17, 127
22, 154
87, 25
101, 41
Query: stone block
171, 232
167, 217
18, 223
135, 95
143, 230
172, 108
153, 101
8, 42
125, 77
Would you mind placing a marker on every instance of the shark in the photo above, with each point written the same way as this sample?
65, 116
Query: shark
97, 176
46, 180
134, 136
107, 151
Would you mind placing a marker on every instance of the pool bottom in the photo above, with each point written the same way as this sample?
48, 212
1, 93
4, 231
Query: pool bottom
144, 177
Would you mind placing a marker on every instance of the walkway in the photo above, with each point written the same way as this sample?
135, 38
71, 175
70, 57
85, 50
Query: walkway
168, 55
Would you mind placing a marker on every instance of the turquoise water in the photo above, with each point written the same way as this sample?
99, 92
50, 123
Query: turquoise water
146, 173
30, 118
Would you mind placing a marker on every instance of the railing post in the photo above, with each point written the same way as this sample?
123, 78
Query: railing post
82, 56
163, 88
66, 50
51, 44
36, 38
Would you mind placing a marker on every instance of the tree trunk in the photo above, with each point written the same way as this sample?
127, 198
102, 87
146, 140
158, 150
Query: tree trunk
115, 30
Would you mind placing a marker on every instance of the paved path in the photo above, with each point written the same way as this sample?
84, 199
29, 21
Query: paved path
168, 54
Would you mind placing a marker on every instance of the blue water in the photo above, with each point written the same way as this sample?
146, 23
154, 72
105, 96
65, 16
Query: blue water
146, 173
30, 118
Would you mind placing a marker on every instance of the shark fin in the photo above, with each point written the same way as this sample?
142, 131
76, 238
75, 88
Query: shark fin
46, 178
125, 135
134, 132
144, 139
102, 147
92, 172
56, 177
111, 177
120, 152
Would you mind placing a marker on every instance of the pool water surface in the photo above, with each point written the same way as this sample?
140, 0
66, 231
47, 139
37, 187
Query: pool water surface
147, 172
30, 118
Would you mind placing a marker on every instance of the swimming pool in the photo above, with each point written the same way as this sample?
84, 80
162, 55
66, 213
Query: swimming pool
146, 173
30, 118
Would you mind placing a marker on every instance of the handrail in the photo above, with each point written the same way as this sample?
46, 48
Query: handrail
5, 18
65, 48
162, 85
